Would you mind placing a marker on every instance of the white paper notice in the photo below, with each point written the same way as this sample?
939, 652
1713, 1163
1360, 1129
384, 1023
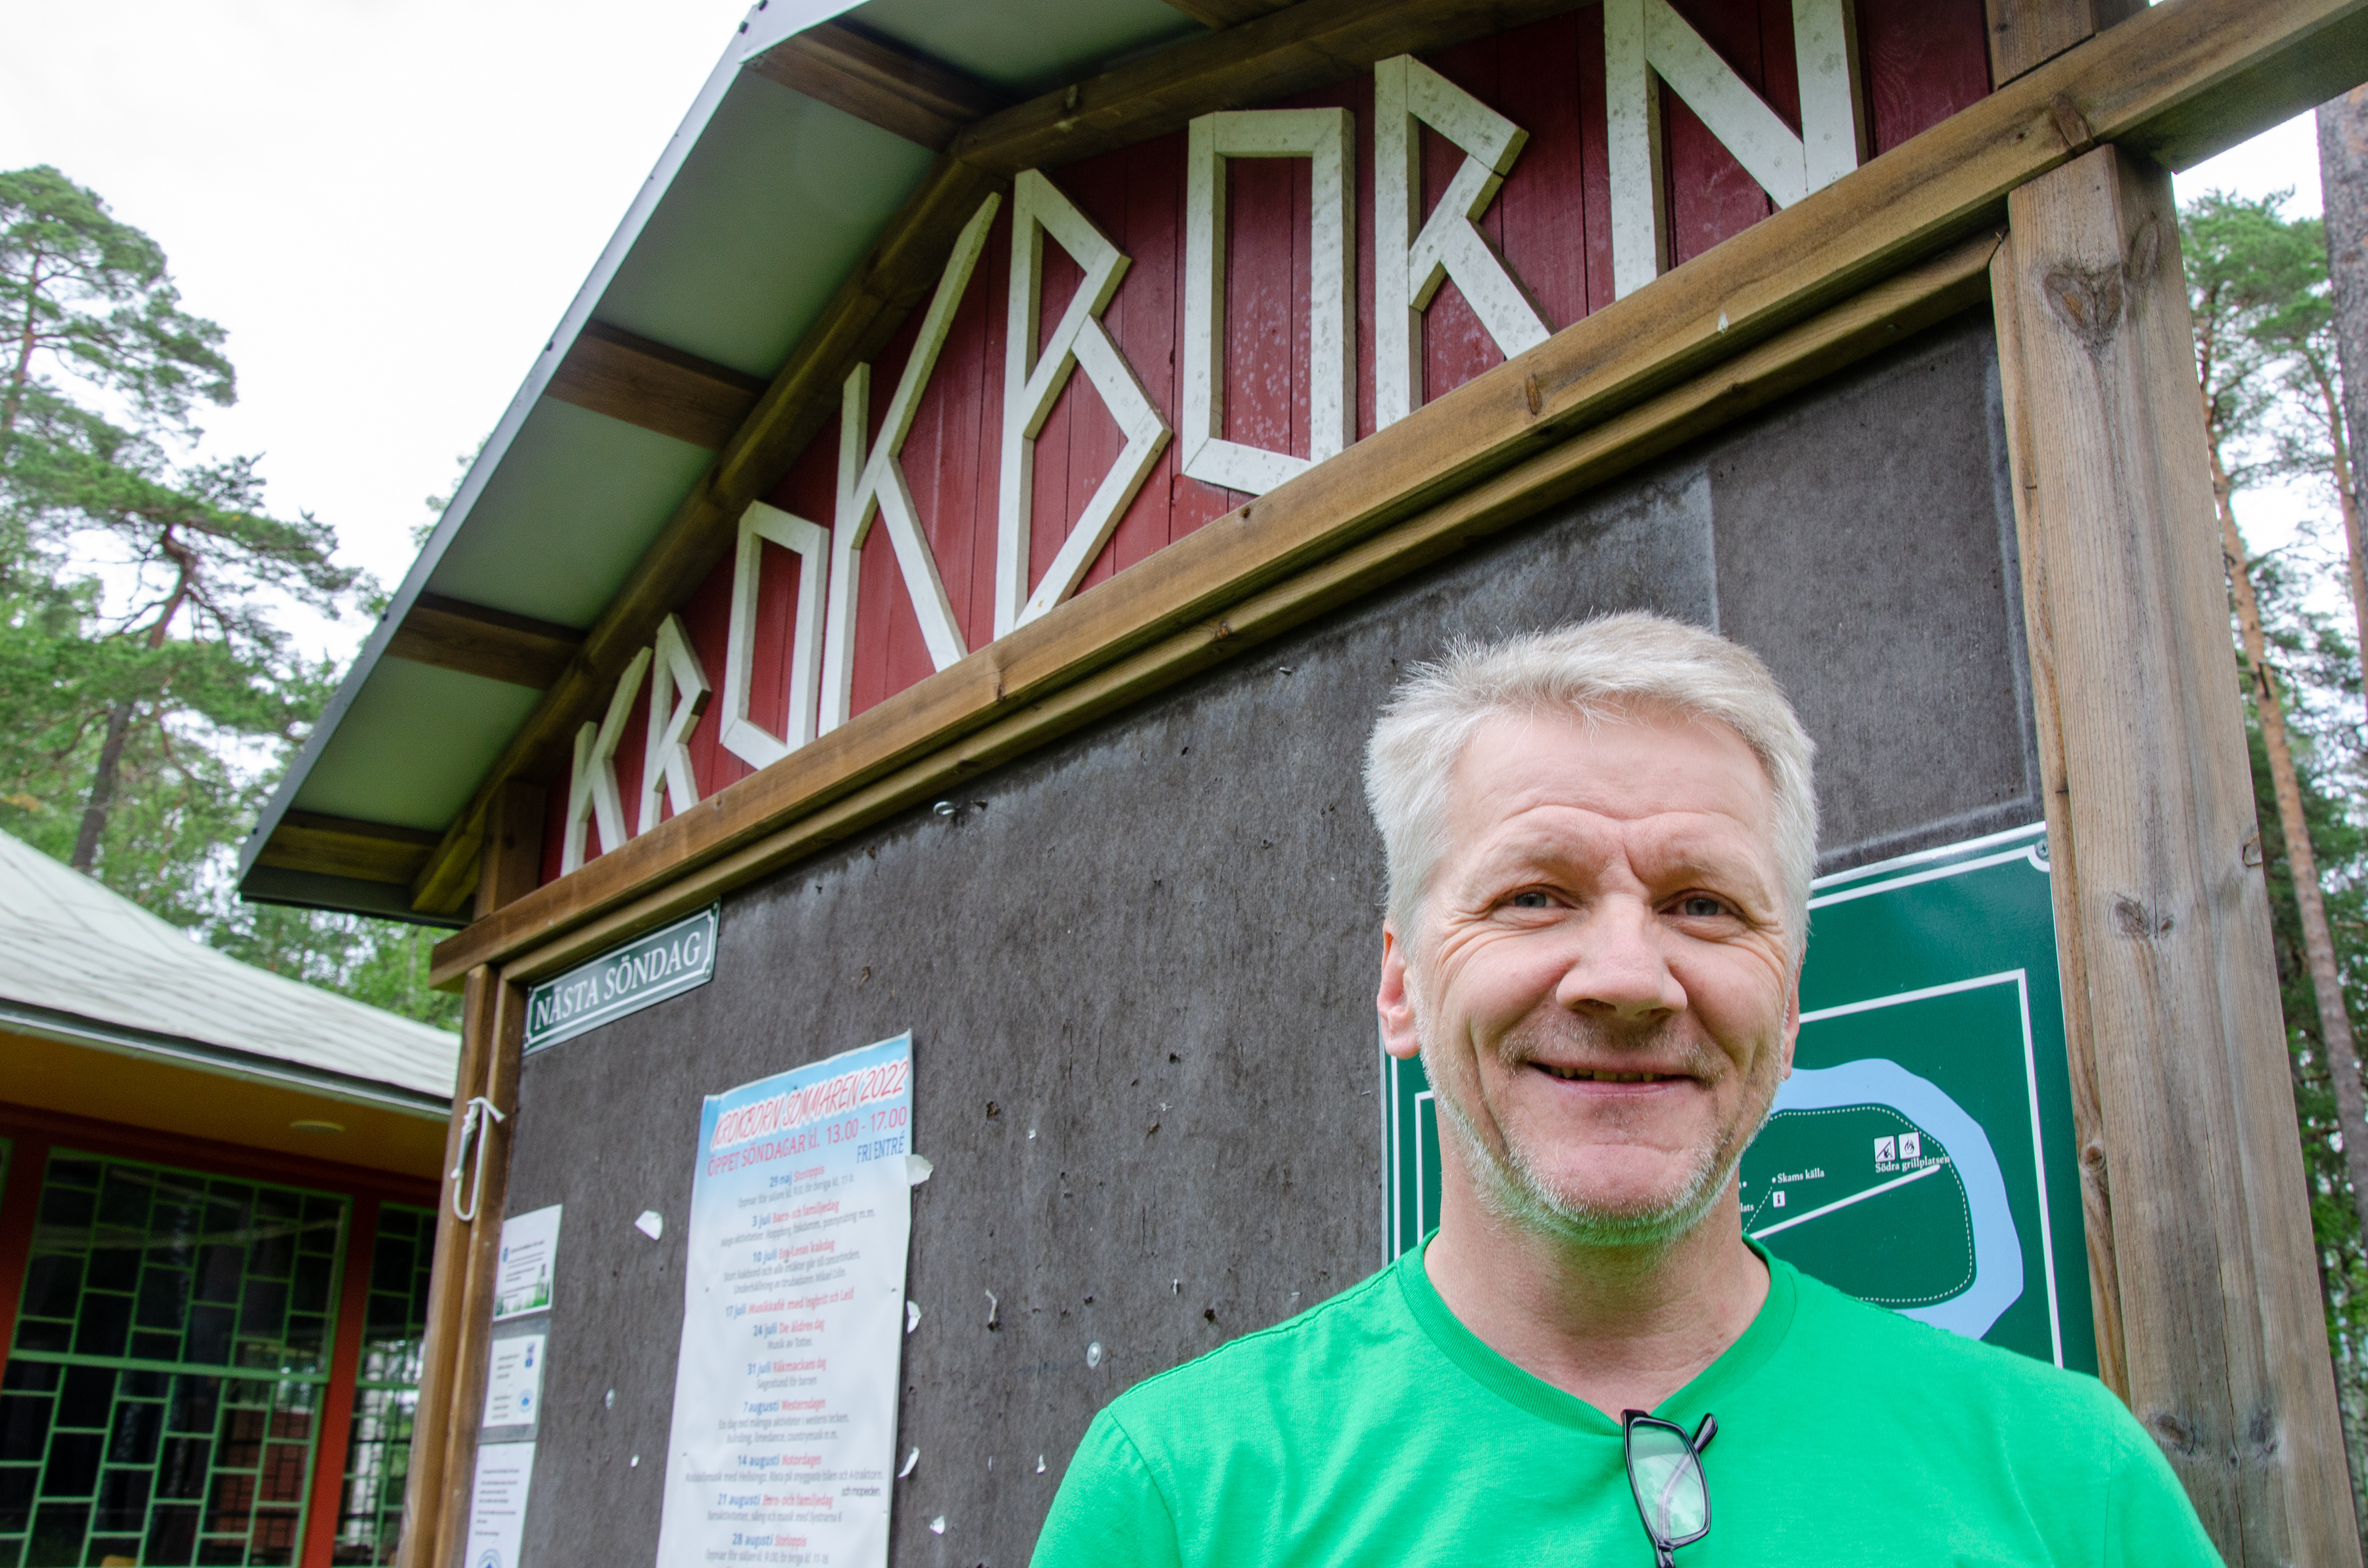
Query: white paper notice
793, 1319
522, 1281
497, 1506
514, 1381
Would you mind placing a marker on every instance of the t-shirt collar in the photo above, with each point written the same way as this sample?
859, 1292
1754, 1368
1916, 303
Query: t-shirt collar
1472, 1356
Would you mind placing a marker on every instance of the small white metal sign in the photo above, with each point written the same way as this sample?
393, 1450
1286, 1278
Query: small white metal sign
651, 968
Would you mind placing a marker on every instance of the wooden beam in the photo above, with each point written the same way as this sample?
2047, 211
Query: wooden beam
1904, 205
454, 634
1874, 321
615, 372
423, 1484
1227, 13
509, 857
880, 81
341, 846
471, 1328
869, 307
2169, 978
1308, 45
2028, 33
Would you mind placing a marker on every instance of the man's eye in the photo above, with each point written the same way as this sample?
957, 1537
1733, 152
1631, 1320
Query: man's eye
1531, 900
1701, 906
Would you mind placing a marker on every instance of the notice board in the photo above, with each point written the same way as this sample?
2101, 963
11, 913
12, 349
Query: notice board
1138, 963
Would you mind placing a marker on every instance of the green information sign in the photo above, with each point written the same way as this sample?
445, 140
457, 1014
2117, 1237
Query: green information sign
1921, 1157
649, 968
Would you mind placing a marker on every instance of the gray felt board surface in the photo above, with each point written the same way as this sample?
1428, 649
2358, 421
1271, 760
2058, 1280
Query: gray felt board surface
1153, 945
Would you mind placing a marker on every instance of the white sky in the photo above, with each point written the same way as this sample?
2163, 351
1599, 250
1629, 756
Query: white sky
390, 202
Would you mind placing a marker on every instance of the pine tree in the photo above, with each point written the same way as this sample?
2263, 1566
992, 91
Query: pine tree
102, 372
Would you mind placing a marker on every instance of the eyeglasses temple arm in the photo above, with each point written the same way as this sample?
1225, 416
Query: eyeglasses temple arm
1705, 1432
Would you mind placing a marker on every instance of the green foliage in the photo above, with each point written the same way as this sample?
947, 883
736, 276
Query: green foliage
92, 293
377, 962
143, 667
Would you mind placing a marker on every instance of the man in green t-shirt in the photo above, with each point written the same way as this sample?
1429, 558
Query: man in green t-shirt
1599, 842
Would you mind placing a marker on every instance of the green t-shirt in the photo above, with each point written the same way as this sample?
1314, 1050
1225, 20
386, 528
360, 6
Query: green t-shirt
1376, 1429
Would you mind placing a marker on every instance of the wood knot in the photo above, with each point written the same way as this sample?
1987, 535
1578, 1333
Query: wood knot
2070, 123
2261, 1437
2174, 1433
2144, 252
2093, 300
2138, 923
2088, 299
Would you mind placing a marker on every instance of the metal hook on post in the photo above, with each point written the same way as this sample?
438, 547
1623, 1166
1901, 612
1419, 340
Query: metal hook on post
472, 1126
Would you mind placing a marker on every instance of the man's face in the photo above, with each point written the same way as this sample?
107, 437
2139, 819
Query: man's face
1602, 987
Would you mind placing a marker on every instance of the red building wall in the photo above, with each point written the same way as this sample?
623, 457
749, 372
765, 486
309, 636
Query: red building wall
1922, 61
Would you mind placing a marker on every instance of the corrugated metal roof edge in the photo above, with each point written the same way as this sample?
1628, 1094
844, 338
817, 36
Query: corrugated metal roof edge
46, 1023
764, 27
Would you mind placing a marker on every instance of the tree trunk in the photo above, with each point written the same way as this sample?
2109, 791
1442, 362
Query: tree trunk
2302, 860
102, 788
101, 799
2343, 188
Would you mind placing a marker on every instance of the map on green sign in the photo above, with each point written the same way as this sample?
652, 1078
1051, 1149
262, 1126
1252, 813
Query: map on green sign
1921, 1157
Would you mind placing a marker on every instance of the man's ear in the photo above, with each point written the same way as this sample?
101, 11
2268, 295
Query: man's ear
1394, 1001
1792, 1019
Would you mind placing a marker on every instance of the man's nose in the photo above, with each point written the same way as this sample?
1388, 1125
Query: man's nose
1620, 971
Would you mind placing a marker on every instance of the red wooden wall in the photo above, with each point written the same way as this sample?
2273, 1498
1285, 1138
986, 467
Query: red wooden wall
1921, 62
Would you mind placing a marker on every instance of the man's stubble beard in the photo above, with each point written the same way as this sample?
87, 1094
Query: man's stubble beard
1516, 1192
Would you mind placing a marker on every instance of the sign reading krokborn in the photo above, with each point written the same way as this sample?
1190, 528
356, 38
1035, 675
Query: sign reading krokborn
667, 963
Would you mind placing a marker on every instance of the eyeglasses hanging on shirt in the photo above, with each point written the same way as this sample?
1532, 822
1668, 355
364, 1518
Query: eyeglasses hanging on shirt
1665, 1473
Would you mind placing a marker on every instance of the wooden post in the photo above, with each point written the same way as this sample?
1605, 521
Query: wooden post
2027, 33
2208, 1310
335, 1419
474, 1313
423, 1485
20, 1209
509, 861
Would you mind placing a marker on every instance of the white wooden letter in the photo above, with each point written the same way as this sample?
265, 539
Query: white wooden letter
592, 787
1646, 44
1324, 137
1031, 385
743, 736
677, 695
1413, 257
873, 484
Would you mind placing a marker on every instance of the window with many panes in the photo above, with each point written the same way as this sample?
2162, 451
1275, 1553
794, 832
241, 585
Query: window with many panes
163, 1397
378, 1454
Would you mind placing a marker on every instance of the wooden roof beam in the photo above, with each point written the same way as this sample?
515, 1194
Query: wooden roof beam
615, 372
2025, 34
1221, 13
2181, 81
455, 635
882, 82
341, 846
871, 305
2236, 61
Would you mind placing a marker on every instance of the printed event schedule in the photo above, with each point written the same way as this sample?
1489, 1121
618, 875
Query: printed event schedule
783, 1446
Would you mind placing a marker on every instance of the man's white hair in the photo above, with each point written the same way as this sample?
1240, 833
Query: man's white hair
1596, 671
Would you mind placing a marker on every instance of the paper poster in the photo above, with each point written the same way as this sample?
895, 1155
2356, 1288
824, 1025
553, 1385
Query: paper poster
497, 1504
522, 1281
514, 1381
783, 1448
